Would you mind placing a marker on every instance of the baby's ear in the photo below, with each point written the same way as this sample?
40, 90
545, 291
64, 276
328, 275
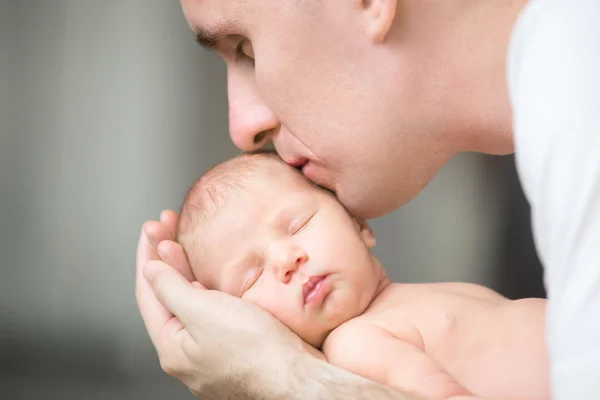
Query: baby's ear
366, 233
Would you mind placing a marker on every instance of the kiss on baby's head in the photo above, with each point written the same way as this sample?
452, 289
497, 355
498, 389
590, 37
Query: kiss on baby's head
256, 228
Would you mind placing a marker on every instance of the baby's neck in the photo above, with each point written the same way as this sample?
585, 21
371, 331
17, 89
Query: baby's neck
383, 284
384, 281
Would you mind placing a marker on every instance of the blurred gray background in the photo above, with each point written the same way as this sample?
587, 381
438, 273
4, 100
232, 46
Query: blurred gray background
108, 112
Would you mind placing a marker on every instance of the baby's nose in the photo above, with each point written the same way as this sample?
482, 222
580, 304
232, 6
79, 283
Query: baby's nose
290, 264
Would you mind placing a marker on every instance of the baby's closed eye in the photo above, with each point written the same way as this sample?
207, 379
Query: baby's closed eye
300, 223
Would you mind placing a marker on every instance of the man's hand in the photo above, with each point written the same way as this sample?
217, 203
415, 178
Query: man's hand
223, 348
217, 345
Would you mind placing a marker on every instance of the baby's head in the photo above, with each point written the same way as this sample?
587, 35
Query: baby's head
256, 228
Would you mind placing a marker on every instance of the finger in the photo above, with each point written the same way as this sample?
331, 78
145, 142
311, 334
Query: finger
198, 285
169, 218
172, 290
154, 314
157, 232
173, 254
150, 252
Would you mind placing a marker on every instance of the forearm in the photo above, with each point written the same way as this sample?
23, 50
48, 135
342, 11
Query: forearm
310, 378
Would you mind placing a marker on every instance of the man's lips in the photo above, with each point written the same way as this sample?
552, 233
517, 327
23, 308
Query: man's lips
297, 162
314, 289
317, 174
310, 169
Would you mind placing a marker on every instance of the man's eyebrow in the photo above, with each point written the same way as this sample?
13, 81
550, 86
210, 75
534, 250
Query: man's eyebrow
208, 37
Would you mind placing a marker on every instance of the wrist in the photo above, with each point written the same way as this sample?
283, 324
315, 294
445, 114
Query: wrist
279, 376
300, 376
314, 378
308, 377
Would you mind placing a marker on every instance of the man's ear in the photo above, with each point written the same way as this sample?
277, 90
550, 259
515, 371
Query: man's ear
366, 233
380, 17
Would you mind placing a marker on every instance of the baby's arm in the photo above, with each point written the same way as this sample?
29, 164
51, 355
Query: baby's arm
375, 354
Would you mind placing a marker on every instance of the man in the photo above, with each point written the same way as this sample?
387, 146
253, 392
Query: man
371, 98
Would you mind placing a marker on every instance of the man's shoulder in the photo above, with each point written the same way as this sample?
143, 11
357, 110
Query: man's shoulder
553, 64
550, 35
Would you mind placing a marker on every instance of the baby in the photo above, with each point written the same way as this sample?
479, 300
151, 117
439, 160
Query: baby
256, 228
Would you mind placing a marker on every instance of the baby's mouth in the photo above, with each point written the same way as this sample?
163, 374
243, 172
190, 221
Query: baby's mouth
313, 288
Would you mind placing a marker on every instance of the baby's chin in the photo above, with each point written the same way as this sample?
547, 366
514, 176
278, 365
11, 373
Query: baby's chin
316, 337
316, 330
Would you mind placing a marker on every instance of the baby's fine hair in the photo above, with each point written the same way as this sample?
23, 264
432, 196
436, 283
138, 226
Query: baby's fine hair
215, 188
219, 185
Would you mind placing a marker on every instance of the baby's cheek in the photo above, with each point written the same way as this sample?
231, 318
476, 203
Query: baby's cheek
288, 310
344, 303
283, 309
275, 303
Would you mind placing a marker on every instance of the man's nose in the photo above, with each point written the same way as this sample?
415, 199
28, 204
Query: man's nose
252, 124
287, 263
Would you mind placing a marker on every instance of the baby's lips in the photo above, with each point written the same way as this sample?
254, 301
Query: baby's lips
311, 284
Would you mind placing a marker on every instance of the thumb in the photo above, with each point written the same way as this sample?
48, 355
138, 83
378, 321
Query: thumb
170, 287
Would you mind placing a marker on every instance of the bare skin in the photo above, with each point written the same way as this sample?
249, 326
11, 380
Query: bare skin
286, 369
447, 339
378, 96
279, 243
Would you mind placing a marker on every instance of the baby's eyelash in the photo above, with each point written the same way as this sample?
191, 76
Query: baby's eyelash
252, 280
301, 224
257, 275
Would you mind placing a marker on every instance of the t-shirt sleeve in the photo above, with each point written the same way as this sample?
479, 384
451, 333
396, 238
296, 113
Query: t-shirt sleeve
554, 84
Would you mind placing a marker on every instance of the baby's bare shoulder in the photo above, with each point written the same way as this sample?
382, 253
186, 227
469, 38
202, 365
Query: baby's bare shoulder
361, 333
354, 334
471, 290
403, 292
357, 331
361, 347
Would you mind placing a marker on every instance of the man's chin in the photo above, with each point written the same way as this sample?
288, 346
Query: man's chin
362, 205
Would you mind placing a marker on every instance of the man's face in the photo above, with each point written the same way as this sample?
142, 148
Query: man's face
294, 251
360, 117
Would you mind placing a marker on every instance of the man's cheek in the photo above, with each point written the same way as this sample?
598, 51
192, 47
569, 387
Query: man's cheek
276, 83
282, 99
271, 86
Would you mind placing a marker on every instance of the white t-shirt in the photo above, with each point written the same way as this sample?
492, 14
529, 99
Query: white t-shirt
554, 84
